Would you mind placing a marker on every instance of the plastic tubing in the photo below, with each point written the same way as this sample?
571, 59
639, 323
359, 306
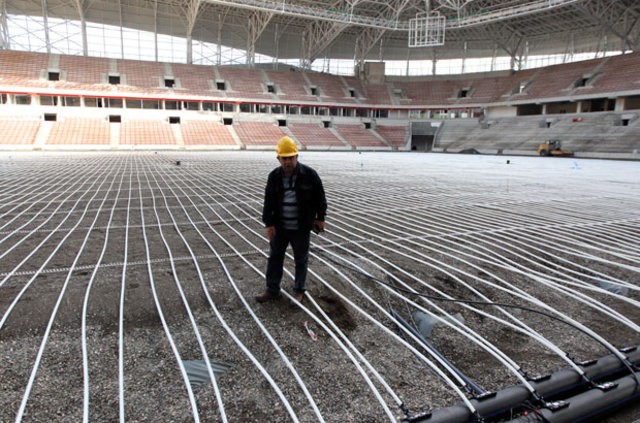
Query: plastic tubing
328, 330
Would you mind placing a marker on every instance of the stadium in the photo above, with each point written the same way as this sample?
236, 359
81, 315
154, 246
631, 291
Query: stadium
480, 261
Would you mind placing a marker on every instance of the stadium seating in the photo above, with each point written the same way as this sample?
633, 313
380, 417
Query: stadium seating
18, 130
253, 134
85, 70
243, 83
290, 86
332, 88
360, 137
617, 74
146, 132
204, 132
559, 80
80, 131
314, 135
194, 78
395, 135
18, 68
583, 103
600, 132
435, 92
141, 74
612, 74
377, 94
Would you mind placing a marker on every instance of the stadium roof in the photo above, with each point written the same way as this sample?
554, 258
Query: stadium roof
364, 29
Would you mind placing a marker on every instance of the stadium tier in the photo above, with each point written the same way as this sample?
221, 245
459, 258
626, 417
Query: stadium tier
55, 101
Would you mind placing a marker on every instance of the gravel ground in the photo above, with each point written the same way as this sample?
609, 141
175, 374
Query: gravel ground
115, 268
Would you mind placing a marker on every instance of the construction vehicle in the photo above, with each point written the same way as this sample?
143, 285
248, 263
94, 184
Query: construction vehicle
553, 148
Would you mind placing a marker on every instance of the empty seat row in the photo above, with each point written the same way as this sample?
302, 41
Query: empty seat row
596, 76
94, 131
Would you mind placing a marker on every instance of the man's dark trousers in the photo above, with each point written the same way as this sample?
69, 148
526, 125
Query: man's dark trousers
299, 241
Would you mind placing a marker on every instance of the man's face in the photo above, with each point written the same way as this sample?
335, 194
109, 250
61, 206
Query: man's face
288, 163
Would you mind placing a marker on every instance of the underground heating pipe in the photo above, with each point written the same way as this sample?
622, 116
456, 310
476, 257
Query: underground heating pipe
560, 381
588, 405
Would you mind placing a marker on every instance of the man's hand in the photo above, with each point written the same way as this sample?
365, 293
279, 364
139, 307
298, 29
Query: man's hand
271, 232
318, 226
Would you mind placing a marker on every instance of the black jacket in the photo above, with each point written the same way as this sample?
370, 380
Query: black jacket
312, 204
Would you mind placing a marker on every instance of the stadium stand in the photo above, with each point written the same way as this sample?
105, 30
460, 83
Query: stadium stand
84, 70
23, 68
453, 135
290, 86
242, 82
332, 88
355, 88
510, 111
146, 132
253, 134
377, 94
560, 80
396, 136
360, 137
194, 78
614, 73
516, 135
517, 84
601, 132
316, 136
80, 131
208, 133
435, 92
17, 130
617, 74
482, 90
141, 74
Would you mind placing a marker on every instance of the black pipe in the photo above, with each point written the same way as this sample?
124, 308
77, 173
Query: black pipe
561, 381
588, 405
474, 387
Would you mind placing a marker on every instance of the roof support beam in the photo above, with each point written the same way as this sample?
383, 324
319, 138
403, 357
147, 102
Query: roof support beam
347, 17
507, 13
514, 48
80, 6
4, 28
366, 40
493, 57
612, 14
370, 36
219, 42
192, 10
570, 50
305, 12
258, 21
45, 23
155, 29
317, 38
511, 41
122, 33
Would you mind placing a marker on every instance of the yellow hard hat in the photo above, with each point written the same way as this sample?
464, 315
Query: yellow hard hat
286, 147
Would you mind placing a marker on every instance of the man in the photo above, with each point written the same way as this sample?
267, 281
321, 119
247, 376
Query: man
294, 204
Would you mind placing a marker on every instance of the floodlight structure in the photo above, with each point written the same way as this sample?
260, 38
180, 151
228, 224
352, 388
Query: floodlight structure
426, 30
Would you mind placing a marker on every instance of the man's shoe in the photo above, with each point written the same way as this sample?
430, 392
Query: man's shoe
299, 296
265, 296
